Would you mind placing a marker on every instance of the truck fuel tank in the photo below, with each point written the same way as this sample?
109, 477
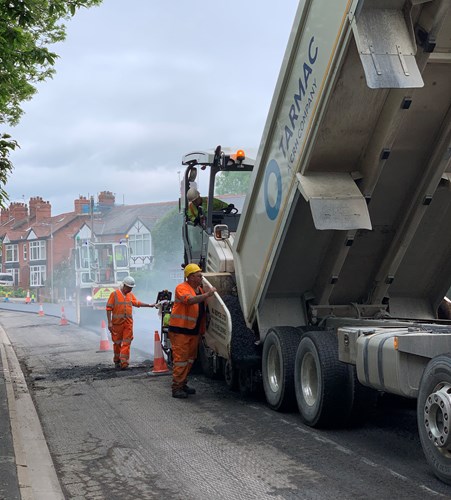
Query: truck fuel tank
392, 359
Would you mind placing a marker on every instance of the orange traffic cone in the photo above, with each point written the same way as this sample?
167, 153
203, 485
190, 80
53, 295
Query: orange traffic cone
159, 364
104, 341
63, 318
27, 298
41, 310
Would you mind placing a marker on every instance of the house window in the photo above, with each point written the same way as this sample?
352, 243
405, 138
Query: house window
12, 253
25, 251
37, 275
139, 244
37, 250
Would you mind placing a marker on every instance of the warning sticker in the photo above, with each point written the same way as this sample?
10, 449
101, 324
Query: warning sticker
102, 293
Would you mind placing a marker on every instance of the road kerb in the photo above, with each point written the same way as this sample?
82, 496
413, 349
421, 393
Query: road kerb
35, 470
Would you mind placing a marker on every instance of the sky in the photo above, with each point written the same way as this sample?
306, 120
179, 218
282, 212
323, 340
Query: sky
141, 83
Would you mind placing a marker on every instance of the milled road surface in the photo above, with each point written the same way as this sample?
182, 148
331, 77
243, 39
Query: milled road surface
119, 435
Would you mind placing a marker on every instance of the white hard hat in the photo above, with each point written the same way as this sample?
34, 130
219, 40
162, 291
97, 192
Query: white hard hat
192, 194
129, 281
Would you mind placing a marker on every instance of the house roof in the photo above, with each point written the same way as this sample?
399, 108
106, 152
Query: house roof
42, 228
116, 220
119, 218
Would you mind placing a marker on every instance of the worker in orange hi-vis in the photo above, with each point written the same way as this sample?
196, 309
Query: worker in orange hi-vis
186, 325
120, 321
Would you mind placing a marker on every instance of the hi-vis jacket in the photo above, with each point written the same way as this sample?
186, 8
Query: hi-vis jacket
184, 316
194, 212
121, 307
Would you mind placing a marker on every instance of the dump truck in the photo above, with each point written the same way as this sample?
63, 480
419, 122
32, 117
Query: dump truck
330, 281
100, 268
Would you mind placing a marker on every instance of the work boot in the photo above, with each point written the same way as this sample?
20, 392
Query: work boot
179, 393
117, 365
189, 390
124, 367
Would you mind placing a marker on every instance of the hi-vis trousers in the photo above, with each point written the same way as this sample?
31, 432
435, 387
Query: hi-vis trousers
184, 353
122, 337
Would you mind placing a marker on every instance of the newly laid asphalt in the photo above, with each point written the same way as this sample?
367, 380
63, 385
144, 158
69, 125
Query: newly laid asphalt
21, 436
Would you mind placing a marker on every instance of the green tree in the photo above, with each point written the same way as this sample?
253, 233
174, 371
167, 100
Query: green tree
167, 239
27, 29
63, 278
232, 182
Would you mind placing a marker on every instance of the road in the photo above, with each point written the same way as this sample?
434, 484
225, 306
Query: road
146, 321
119, 435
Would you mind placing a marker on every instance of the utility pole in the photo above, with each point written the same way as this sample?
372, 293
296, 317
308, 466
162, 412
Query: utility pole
92, 219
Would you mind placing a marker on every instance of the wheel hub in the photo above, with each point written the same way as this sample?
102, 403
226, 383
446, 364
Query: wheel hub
273, 370
309, 379
437, 414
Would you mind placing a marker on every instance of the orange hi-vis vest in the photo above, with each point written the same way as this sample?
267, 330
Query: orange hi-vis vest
184, 316
121, 307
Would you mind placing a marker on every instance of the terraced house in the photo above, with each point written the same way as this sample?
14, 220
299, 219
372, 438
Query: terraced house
37, 246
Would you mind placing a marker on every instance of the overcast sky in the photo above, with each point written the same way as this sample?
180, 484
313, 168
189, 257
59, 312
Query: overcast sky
139, 84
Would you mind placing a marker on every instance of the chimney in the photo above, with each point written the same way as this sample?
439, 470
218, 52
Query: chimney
106, 199
5, 216
19, 211
43, 210
33, 203
82, 205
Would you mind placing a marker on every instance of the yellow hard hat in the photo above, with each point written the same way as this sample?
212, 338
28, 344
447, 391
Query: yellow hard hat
191, 268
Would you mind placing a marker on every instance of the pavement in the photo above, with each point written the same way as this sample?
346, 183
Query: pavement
9, 483
26, 467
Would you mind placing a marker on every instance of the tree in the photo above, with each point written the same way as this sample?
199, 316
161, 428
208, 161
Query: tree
167, 239
232, 182
27, 29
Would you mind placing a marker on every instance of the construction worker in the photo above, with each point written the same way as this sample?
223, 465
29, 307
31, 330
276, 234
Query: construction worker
186, 324
120, 321
198, 206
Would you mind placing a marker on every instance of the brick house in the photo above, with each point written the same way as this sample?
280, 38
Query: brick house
36, 244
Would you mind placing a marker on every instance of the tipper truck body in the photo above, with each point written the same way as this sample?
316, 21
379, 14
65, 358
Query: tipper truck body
330, 285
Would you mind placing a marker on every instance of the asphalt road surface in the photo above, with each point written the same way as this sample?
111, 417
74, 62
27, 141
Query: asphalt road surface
119, 435
146, 321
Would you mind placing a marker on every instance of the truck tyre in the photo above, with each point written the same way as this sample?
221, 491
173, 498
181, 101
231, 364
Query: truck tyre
279, 351
434, 415
323, 384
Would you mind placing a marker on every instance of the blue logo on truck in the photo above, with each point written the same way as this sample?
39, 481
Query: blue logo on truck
273, 169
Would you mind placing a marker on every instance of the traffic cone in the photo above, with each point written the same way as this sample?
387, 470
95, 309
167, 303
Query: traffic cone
159, 364
41, 310
63, 318
104, 341
27, 299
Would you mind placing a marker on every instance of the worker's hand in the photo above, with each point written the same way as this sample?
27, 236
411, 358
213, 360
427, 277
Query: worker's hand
151, 305
211, 292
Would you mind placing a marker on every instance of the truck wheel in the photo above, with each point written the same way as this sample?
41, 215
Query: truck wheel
230, 375
279, 350
323, 384
434, 415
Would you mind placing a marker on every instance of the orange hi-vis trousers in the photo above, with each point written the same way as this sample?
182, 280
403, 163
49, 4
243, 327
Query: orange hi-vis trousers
184, 353
122, 337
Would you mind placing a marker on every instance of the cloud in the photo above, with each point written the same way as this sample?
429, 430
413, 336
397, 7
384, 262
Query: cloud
138, 87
